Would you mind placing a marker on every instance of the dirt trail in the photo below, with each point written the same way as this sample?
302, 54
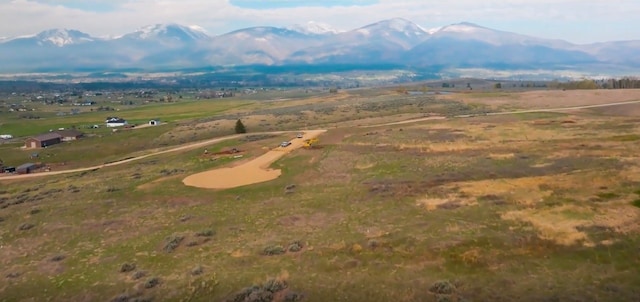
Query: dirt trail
254, 171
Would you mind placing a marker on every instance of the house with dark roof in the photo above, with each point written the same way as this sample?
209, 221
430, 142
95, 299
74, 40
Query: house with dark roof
43, 140
115, 122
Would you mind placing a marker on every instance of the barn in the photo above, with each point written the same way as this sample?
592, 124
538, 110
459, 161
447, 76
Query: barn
43, 140
26, 168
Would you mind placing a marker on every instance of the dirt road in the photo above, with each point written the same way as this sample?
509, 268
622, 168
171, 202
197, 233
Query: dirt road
254, 171
152, 153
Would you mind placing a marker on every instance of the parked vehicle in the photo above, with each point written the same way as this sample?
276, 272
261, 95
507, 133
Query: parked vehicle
300, 135
285, 144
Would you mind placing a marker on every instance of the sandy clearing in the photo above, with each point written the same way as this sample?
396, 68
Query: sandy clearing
251, 172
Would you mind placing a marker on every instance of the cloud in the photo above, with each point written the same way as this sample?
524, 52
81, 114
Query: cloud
573, 20
271, 4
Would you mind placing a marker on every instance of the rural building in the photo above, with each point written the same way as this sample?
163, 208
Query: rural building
115, 122
69, 134
43, 140
26, 168
154, 122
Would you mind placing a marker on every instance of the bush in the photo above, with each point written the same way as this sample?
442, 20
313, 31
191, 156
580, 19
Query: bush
206, 233
25, 226
275, 285
292, 297
442, 288
138, 275
273, 250
120, 298
295, 246
198, 270
127, 267
636, 203
34, 211
57, 258
151, 283
265, 292
172, 243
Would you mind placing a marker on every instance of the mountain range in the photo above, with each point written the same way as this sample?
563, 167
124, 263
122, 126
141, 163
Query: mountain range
394, 42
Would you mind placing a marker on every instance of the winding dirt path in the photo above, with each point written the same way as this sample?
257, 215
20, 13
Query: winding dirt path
251, 172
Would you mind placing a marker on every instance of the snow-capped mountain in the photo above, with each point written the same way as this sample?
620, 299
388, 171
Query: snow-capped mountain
395, 41
169, 32
314, 28
53, 37
470, 31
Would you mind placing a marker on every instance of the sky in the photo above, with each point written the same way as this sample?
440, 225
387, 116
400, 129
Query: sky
577, 21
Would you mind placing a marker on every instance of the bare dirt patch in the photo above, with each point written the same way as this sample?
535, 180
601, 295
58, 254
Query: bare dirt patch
254, 171
551, 98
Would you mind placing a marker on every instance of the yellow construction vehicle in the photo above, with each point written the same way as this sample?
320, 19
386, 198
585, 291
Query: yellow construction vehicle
308, 143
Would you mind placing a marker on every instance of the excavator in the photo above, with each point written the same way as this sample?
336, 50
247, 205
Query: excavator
309, 143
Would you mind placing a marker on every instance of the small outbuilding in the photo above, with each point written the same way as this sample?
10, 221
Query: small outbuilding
26, 168
43, 140
154, 122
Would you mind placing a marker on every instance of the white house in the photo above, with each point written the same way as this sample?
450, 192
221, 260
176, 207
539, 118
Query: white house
115, 122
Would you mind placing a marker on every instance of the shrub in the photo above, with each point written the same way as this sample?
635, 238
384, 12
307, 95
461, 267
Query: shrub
198, 270
273, 250
275, 285
192, 243
292, 297
13, 275
25, 226
120, 298
636, 203
172, 243
295, 246
127, 267
34, 211
372, 243
138, 275
152, 282
265, 292
57, 258
442, 288
206, 233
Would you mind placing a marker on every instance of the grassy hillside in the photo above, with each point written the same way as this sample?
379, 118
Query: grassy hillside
524, 207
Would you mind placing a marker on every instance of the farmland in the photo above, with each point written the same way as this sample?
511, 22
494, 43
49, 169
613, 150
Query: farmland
537, 206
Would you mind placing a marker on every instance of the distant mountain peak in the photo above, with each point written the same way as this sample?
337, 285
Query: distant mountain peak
463, 27
398, 25
171, 31
314, 28
62, 37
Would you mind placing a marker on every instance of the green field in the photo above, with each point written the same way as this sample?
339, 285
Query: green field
526, 207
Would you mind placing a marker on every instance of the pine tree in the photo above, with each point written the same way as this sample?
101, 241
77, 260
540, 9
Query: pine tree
240, 127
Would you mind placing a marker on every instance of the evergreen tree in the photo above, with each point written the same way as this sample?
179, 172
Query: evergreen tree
240, 127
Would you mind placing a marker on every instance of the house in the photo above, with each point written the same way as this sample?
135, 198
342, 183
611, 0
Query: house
154, 122
26, 168
69, 134
43, 140
115, 122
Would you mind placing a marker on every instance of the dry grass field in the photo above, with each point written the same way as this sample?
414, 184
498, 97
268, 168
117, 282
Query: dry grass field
537, 206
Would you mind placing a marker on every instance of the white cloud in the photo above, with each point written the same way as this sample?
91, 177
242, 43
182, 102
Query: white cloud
573, 20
